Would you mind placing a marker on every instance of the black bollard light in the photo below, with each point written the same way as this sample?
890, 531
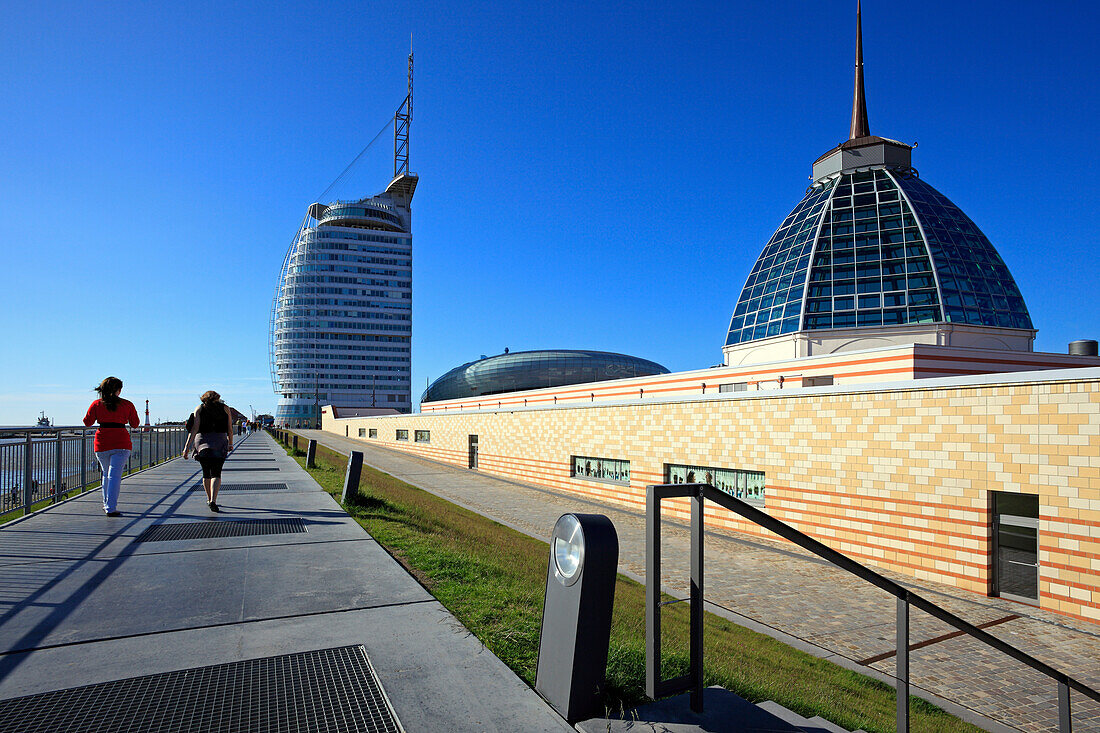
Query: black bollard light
576, 615
311, 454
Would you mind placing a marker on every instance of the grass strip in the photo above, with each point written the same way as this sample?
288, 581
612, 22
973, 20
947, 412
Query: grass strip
492, 578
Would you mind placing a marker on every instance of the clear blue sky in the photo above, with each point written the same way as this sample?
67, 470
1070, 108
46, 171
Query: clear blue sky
595, 175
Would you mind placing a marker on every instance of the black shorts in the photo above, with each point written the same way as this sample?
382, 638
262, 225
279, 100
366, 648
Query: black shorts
211, 466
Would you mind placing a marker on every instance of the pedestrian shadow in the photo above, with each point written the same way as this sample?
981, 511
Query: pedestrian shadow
11, 657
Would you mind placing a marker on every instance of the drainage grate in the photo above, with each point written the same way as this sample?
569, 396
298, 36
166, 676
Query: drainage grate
244, 459
246, 487
323, 690
230, 528
250, 468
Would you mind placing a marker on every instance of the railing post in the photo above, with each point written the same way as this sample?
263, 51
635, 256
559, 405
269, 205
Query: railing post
28, 472
696, 626
83, 460
57, 469
902, 666
1065, 722
652, 591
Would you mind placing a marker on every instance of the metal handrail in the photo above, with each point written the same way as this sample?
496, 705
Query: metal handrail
906, 597
39, 463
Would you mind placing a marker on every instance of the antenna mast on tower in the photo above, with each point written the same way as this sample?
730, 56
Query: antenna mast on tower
401, 127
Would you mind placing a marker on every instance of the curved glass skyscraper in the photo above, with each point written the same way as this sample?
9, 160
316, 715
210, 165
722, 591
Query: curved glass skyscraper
341, 319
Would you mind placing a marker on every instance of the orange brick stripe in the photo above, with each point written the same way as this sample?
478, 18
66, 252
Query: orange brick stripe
882, 516
860, 535
689, 384
1070, 599
868, 527
798, 491
917, 364
1071, 583
1045, 538
1049, 364
522, 459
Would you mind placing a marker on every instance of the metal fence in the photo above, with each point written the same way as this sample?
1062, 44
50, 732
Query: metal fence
52, 464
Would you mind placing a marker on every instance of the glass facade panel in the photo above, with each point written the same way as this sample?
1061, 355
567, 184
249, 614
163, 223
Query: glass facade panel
780, 273
882, 241
882, 265
973, 278
341, 319
611, 470
745, 485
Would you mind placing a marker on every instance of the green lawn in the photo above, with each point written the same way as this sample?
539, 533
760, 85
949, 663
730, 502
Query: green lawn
492, 579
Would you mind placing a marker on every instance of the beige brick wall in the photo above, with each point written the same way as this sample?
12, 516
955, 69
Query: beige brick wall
895, 478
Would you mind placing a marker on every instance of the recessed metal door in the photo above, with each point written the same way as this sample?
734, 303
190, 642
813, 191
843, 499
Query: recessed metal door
1016, 546
473, 451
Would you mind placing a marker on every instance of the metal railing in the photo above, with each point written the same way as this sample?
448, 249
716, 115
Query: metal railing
52, 464
693, 681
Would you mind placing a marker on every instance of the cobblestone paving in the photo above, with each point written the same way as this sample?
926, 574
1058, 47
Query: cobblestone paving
787, 589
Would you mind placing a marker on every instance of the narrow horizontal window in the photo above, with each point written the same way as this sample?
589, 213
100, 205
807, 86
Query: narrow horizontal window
733, 387
610, 470
745, 485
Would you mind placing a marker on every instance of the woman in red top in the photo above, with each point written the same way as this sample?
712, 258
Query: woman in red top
112, 440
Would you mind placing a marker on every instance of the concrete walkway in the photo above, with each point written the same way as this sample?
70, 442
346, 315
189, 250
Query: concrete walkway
83, 600
776, 588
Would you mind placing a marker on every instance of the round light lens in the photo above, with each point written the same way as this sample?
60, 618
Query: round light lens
568, 546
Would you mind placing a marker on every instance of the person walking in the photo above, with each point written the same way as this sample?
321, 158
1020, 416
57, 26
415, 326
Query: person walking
112, 444
211, 437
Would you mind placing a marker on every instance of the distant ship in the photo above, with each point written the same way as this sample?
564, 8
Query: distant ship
43, 421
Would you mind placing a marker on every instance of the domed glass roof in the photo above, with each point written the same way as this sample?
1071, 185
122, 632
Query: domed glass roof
875, 248
522, 370
872, 245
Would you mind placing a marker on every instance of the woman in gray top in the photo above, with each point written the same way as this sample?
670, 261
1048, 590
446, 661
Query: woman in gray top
212, 439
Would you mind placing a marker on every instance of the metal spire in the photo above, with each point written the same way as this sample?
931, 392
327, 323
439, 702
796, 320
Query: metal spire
401, 127
860, 127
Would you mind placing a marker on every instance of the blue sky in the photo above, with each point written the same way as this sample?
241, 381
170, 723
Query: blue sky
593, 176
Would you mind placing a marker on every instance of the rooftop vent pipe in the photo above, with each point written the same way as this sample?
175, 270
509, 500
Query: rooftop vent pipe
1083, 347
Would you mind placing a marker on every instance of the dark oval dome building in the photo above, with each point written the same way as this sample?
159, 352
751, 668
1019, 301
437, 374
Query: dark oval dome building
510, 372
874, 256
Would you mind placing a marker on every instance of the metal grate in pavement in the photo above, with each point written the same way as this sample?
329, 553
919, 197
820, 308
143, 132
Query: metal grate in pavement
224, 528
247, 487
250, 468
242, 459
327, 690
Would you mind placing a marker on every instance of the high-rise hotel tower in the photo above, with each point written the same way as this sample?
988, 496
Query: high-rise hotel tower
341, 319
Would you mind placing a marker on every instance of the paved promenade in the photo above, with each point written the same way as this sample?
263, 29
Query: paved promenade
778, 589
309, 624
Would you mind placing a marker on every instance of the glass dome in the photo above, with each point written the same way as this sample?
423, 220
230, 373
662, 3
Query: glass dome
535, 370
875, 248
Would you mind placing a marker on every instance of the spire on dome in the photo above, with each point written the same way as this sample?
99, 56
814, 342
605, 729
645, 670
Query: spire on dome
860, 128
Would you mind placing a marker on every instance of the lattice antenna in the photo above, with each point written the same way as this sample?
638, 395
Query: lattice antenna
401, 127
